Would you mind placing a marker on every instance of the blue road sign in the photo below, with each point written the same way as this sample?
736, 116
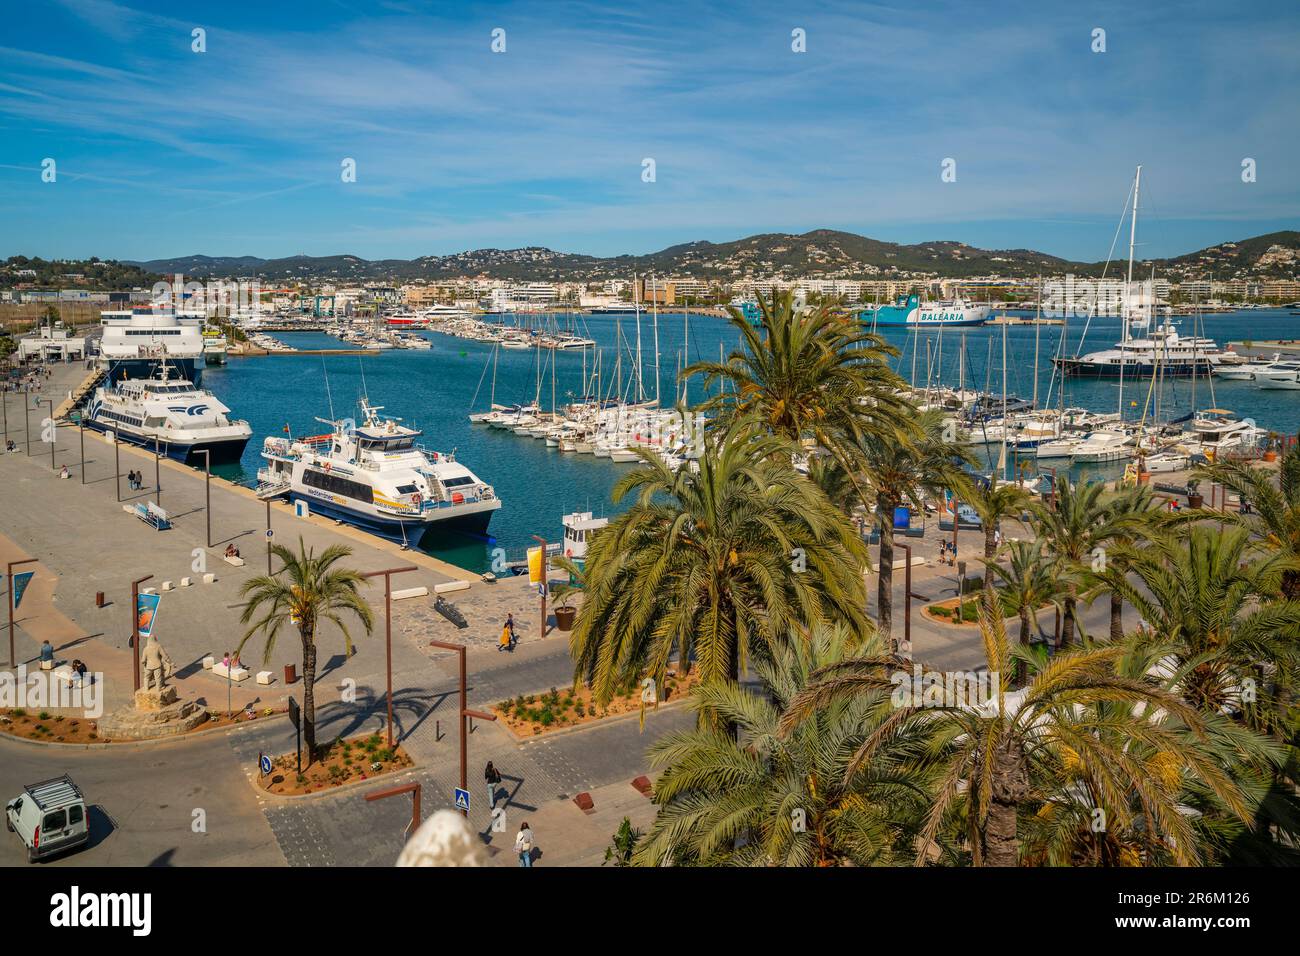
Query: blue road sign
266, 763
461, 799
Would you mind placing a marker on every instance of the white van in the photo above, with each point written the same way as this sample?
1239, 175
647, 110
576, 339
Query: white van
49, 817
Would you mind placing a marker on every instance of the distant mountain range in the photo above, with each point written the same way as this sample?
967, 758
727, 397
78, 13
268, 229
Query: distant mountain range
822, 252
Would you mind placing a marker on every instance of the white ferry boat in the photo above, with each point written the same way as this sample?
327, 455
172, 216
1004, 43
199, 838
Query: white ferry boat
136, 343
182, 419
376, 477
910, 311
214, 347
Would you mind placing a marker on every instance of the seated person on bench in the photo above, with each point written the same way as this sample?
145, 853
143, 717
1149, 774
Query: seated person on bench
232, 551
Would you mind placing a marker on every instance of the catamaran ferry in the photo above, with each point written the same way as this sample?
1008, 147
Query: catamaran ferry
909, 311
184, 421
376, 477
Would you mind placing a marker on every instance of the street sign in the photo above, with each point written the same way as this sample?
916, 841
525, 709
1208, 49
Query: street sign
461, 799
270, 533
293, 712
266, 763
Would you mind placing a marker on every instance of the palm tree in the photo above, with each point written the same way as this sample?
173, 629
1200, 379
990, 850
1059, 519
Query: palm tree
993, 503
901, 471
1275, 507
307, 590
1029, 580
1077, 521
1009, 756
807, 374
715, 562
1218, 611
770, 798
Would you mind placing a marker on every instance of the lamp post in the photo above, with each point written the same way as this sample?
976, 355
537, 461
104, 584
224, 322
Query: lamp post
157, 471
54, 429
27, 420
135, 628
465, 713
4, 398
269, 535
117, 466
387, 574
81, 436
907, 596
541, 630
207, 487
13, 661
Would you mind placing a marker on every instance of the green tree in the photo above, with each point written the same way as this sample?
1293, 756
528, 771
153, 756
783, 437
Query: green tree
1029, 580
772, 798
306, 591
902, 470
993, 503
999, 759
713, 562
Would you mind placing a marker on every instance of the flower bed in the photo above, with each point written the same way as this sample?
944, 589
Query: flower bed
343, 761
49, 727
530, 715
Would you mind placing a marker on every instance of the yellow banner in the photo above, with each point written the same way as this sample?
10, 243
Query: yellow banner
535, 565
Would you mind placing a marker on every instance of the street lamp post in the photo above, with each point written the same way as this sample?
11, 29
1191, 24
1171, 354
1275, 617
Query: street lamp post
541, 630
13, 661
81, 436
465, 713
387, 574
117, 466
27, 420
135, 628
269, 535
207, 487
54, 430
414, 790
157, 471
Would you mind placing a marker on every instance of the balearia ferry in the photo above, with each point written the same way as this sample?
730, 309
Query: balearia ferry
171, 412
910, 312
374, 476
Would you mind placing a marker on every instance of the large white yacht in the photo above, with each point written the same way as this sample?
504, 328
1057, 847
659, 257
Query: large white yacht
137, 342
375, 476
167, 409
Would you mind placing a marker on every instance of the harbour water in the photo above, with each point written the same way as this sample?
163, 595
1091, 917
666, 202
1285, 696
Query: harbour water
432, 390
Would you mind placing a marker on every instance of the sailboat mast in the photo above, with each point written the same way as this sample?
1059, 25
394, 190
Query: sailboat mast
1128, 291
655, 320
1038, 325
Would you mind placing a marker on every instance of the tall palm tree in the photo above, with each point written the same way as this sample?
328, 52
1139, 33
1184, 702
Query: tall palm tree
717, 562
807, 374
993, 503
1218, 610
1007, 757
769, 798
1076, 521
1274, 517
900, 471
307, 590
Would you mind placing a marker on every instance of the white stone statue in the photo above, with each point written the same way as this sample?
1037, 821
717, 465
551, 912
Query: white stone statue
157, 664
445, 839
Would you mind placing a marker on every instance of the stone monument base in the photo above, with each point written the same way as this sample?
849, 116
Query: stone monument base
156, 713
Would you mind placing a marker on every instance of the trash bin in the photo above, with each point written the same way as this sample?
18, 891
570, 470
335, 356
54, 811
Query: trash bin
99, 599
290, 673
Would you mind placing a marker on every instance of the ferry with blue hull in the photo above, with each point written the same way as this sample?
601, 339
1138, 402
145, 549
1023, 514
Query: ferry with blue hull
170, 413
137, 343
375, 476
911, 312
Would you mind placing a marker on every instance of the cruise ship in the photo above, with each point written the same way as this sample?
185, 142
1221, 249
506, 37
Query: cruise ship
376, 477
910, 311
168, 410
136, 343
214, 347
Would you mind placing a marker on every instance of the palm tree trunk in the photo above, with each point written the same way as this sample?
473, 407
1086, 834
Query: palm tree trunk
1116, 616
885, 584
1067, 617
990, 549
1024, 642
309, 695
1009, 787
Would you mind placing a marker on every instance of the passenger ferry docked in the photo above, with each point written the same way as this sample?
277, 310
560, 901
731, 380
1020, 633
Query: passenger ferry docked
910, 311
376, 477
184, 420
136, 343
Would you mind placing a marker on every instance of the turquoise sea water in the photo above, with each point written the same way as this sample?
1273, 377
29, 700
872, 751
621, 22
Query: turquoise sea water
433, 389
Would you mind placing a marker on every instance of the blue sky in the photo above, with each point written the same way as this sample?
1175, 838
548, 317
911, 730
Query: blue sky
161, 151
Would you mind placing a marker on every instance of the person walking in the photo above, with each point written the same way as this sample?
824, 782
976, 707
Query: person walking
504, 643
510, 626
524, 845
492, 777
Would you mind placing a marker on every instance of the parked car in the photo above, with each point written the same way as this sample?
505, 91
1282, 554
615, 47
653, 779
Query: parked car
49, 817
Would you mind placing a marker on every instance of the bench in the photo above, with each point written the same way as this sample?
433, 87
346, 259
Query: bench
235, 674
264, 677
233, 559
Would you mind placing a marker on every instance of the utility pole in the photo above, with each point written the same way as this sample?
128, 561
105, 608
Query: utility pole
13, 661
135, 628
207, 487
465, 713
81, 429
387, 575
117, 467
541, 629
